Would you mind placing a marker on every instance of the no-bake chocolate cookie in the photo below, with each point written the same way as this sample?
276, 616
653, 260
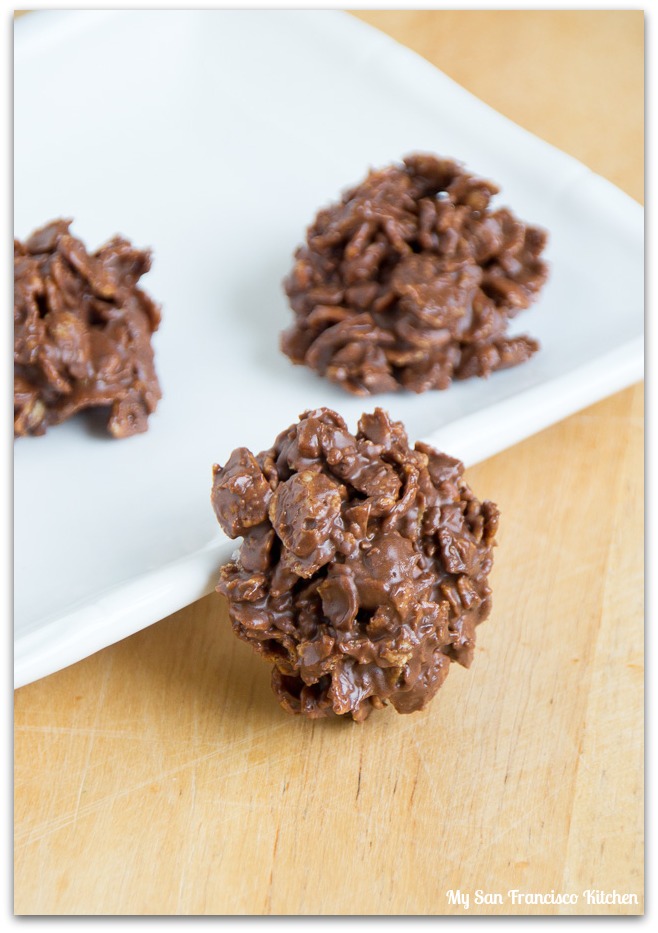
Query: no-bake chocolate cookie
410, 281
82, 332
363, 568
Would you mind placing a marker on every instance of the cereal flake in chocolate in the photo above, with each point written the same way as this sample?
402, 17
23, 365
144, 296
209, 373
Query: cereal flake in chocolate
363, 568
82, 332
411, 280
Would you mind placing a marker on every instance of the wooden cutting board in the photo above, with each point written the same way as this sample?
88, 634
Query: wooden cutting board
160, 777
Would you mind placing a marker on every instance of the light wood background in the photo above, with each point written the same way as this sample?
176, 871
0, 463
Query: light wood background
160, 776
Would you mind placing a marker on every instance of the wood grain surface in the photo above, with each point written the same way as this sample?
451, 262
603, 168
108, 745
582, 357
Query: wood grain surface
160, 776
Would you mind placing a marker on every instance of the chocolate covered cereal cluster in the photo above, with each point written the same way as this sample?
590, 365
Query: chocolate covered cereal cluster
410, 281
363, 568
82, 332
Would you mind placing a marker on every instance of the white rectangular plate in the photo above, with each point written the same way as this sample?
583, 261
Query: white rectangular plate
213, 137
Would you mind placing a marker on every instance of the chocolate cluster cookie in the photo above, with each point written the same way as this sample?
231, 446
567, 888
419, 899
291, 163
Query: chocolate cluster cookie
410, 281
363, 568
82, 332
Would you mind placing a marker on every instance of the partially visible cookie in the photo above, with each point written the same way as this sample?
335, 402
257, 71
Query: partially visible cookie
82, 332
